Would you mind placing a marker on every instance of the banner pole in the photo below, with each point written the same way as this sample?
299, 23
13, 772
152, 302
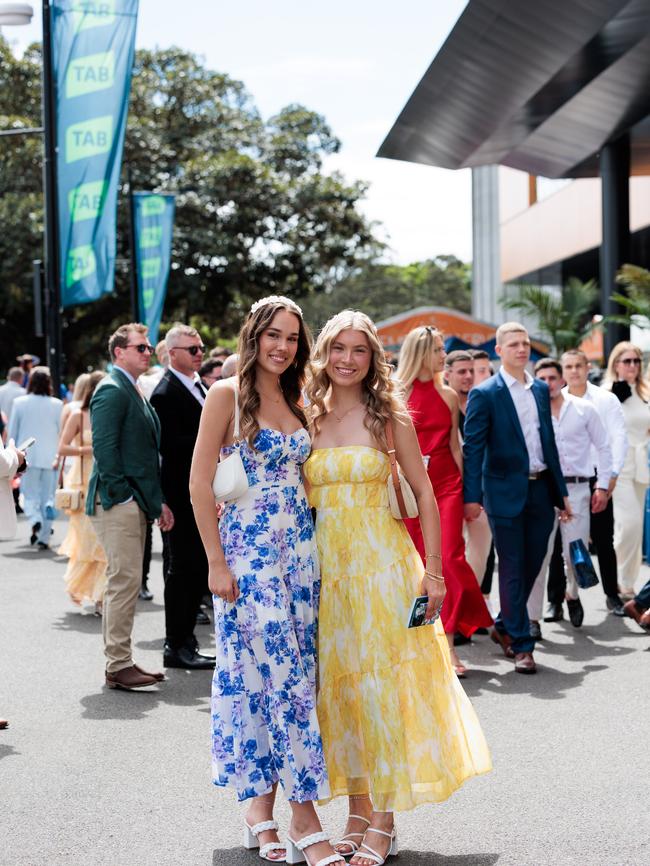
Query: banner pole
52, 270
135, 305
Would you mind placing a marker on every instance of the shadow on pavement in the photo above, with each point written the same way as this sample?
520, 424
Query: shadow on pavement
73, 620
35, 553
546, 685
241, 857
7, 751
181, 688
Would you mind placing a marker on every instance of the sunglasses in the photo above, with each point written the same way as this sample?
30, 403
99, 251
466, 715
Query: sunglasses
628, 361
193, 350
141, 348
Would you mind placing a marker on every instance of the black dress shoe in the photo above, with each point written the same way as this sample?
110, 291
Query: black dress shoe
43, 546
202, 618
614, 605
183, 657
205, 656
460, 639
36, 528
535, 630
144, 593
555, 613
576, 611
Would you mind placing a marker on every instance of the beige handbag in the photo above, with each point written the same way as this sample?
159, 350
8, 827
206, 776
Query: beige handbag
69, 498
401, 498
230, 479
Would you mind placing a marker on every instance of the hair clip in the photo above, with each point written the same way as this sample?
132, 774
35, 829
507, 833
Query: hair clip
275, 299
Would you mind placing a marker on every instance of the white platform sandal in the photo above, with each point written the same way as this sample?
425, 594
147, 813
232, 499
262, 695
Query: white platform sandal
370, 853
345, 840
251, 841
296, 850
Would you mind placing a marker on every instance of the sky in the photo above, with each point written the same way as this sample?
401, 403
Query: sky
354, 61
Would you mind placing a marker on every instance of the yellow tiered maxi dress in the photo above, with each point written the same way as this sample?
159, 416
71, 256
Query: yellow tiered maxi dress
394, 720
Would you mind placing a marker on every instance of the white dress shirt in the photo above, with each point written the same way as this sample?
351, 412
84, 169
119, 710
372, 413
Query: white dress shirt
578, 430
611, 414
190, 383
526, 407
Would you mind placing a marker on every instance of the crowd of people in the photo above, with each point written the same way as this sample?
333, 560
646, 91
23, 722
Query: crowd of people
319, 547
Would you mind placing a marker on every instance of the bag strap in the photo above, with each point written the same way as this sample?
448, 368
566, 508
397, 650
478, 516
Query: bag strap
81, 440
62, 467
394, 472
236, 426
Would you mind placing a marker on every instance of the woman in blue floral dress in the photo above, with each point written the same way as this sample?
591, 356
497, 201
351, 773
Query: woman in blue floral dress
265, 580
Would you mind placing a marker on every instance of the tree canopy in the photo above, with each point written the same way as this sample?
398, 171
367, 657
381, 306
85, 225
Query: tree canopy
255, 212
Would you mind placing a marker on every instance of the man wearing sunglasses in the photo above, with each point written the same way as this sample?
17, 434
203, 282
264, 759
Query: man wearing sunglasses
124, 494
178, 400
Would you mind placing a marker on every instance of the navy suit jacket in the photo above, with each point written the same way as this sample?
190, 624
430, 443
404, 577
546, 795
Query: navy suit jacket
495, 455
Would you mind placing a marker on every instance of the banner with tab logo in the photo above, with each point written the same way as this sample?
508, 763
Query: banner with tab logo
153, 215
93, 44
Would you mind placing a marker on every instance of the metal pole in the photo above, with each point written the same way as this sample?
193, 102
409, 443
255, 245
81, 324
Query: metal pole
133, 249
615, 246
52, 270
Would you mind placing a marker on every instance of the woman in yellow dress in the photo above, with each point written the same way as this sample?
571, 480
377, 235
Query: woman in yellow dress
397, 727
85, 576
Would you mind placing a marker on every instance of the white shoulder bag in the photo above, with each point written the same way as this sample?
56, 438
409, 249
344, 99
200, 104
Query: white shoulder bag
230, 480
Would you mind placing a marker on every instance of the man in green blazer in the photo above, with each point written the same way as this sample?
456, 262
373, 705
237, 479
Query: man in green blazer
124, 493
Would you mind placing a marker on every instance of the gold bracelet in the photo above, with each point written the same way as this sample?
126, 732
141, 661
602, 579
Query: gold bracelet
437, 555
437, 577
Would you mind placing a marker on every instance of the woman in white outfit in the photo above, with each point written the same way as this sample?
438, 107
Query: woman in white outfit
625, 379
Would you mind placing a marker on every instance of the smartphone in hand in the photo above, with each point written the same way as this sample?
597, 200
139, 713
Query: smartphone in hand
26, 444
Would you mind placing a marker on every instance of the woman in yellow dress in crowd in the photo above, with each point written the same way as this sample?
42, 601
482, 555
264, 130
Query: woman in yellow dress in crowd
397, 727
85, 576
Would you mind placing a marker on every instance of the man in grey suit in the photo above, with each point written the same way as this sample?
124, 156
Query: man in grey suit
10, 390
124, 494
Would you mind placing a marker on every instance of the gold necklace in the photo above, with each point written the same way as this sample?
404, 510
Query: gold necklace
339, 418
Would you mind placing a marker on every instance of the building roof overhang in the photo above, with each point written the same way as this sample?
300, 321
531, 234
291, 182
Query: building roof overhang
538, 86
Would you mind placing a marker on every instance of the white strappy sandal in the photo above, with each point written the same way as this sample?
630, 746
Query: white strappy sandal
295, 850
345, 840
372, 854
251, 841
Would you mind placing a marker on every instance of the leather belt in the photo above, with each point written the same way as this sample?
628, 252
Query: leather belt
576, 479
535, 476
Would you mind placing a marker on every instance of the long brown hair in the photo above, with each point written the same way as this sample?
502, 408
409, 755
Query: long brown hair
291, 381
381, 394
93, 381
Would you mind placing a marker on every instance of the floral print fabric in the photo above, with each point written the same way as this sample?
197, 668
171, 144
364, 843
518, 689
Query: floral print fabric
394, 719
264, 720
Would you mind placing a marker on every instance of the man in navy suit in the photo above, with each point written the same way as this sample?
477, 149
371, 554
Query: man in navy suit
512, 469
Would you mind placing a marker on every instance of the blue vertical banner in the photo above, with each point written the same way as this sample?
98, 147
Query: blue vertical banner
153, 216
93, 48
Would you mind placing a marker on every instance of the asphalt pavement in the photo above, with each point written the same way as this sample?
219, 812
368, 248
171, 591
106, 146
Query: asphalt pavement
92, 777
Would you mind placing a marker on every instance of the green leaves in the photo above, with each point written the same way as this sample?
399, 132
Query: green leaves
564, 319
636, 300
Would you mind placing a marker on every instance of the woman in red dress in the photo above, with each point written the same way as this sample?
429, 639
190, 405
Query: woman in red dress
434, 410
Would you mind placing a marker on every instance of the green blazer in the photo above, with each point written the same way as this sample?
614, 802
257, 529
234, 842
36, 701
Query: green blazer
126, 441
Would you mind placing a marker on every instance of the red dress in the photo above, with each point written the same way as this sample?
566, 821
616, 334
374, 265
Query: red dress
464, 609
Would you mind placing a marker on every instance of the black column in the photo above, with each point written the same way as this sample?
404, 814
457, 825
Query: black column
52, 271
615, 247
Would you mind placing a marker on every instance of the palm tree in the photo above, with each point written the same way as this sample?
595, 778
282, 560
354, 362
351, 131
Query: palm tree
565, 320
636, 300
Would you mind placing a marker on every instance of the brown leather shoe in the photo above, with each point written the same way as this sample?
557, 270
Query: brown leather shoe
3, 724
632, 610
644, 622
504, 641
129, 679
525, 663
157, 676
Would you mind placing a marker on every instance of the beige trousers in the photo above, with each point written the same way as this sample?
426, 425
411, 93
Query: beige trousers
122, 532
629, 509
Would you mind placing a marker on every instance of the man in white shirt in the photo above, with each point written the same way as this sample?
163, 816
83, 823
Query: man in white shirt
575, 369
579, 432
10, 390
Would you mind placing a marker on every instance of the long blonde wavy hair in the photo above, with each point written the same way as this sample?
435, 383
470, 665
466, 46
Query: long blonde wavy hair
611, 375
293, 378
416, 352
381, 394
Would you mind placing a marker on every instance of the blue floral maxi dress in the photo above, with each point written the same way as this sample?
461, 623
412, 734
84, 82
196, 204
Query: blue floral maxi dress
264, 723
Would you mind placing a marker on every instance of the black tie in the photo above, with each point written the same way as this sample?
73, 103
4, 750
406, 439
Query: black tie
199, 387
